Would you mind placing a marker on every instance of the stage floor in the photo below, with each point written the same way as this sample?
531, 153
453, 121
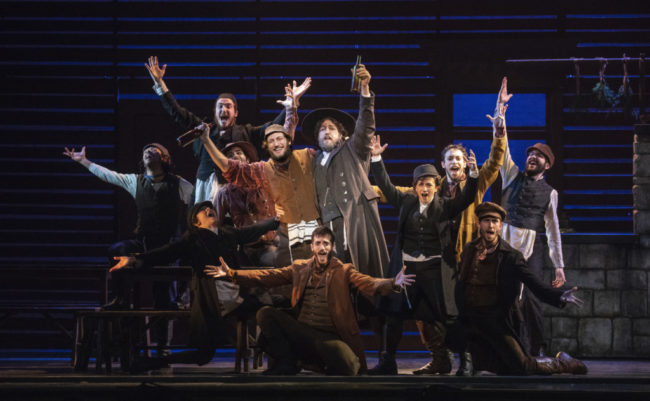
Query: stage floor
47, 375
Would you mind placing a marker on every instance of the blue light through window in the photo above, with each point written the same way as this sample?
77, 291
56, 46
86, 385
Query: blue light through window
525, 110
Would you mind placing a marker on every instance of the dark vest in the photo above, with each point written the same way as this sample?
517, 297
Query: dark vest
420, 234
526, 201
454, 223
206, 165
326, 202
159, 212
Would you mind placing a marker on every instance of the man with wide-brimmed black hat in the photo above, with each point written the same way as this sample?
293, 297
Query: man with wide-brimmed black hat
346, 200
491, 275
531, 204
243, 206
224, 131
204, 243
424, 244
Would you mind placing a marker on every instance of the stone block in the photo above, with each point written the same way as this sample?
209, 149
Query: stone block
634, 303
568, 345
641, 165
603, 256
641, 327
591, 279
595, 336
641, 221
627, 279
571, 254
641, 196
641, 180
622, 338
641, 148
564, 327
607, 303
639, 258
641, 346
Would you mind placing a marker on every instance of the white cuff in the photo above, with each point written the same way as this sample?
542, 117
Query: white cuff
160, 89
473, 173
375, 159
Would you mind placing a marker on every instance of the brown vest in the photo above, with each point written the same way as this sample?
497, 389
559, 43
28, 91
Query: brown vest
293, 188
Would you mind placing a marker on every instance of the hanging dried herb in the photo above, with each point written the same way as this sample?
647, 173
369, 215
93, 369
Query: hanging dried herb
624, 95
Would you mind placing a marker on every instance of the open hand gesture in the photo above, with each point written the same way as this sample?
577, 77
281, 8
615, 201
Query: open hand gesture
217, 271
471, 161
504, 97
499, 120
569, 297
376, 149
289, 97
402, 280
76, 156
298, 91
122, 262
154, 69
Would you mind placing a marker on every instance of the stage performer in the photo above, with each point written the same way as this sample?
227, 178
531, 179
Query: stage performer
243, 206
531, 204
224, 130
424, 244
321, 328
346, 199
287, 176
203, 243
491, 276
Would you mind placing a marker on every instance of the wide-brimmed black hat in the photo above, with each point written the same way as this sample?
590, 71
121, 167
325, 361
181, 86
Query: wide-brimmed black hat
195, 210
310, 120
246, 147
490, 209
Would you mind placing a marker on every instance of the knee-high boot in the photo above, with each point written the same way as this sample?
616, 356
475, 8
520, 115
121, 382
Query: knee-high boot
434, 340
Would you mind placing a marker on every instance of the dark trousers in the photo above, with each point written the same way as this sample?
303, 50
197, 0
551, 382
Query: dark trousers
532, 329
285, 255
494, 346
287, 340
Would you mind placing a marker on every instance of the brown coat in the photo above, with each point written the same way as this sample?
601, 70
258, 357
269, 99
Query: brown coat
339, 278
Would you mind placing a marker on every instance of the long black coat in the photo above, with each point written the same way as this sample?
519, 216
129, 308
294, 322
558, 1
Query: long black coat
443, 211
511, 273
204, 247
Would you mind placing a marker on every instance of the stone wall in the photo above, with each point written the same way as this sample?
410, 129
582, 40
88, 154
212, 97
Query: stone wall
612, 275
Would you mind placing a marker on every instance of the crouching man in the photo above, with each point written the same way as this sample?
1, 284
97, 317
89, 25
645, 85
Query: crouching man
491, 275
321, 328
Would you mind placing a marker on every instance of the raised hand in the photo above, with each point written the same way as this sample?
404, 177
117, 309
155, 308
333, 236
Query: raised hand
471, 161
155, 71
504, 97
559, 278
569, 297
298, 91
363, 75
79, 157
122, 262
217, 271
289, 97
499, 120
375, 146
402, 280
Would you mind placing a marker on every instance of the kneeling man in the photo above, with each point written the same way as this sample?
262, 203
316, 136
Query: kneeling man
321, 328
491, 275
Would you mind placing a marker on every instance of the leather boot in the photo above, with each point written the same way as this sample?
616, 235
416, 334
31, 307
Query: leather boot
570, 364
387, 365
434, 341
466, 367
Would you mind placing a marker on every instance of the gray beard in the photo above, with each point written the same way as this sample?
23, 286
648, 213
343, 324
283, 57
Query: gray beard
329, 148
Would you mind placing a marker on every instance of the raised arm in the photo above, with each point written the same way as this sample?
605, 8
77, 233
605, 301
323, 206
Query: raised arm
215, 154
490, 169
253, 232
392, 194
364, 130
126, 181
455, 205
509, 169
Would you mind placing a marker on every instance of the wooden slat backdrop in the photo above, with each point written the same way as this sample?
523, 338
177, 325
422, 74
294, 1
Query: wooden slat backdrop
73, 75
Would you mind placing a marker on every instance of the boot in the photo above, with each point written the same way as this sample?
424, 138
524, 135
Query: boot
570, 364
117, 303
466, 367
387, 365
433, 340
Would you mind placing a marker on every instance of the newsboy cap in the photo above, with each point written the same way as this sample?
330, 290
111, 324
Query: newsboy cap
424, 170
545, 150
490, 209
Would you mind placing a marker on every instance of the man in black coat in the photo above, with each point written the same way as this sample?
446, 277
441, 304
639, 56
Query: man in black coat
425, 245
490, 280
204, 243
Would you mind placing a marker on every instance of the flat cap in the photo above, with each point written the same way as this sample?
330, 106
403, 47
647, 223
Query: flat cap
490, 209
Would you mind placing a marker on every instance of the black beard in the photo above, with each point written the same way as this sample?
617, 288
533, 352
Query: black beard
534, 171
329, 148
284, 157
